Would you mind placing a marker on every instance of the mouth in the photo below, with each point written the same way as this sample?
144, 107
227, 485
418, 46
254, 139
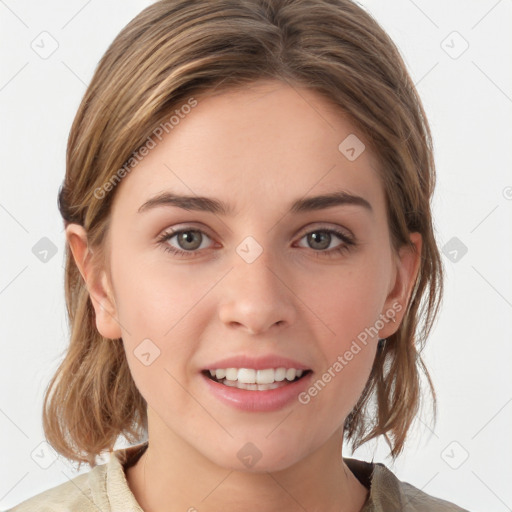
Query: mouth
256, 380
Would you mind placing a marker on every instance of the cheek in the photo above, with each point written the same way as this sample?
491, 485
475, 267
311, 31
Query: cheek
157, 310
347, 345
348, 306
153, 298
348, 302
161, 336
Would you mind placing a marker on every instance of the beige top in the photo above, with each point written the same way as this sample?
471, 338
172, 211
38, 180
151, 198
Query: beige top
104, 488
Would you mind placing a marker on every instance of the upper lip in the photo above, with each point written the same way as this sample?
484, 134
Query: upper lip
257, 363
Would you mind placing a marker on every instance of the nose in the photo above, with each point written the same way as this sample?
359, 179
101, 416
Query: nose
257, 296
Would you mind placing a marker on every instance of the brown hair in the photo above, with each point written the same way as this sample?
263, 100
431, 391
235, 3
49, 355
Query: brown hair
174, 50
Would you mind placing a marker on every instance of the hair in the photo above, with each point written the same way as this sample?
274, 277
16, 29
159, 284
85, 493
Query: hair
175, 50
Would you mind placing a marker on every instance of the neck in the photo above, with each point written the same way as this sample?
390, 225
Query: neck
171, 475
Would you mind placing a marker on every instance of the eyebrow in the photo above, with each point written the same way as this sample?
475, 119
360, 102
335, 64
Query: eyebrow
212, 205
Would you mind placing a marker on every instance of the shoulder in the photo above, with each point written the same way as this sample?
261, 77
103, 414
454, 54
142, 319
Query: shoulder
390, 493
74, 494
103, 488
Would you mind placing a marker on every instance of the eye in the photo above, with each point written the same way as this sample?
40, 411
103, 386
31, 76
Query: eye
188, 240
320, 240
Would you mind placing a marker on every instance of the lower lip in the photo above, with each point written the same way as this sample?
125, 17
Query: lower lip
258, 401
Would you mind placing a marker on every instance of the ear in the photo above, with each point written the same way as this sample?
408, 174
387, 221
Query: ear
97, 282
407, 266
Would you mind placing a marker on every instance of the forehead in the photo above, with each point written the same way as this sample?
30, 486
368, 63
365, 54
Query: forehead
260, 146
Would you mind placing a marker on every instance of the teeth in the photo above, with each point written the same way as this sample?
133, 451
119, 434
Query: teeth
252, 387
251, 376
231, 373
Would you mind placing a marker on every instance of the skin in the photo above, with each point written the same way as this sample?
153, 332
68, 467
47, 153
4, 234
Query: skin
258, 149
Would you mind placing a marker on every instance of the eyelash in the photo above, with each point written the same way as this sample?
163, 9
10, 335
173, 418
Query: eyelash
348, 242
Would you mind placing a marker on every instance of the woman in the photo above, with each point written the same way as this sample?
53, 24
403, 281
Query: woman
251, 270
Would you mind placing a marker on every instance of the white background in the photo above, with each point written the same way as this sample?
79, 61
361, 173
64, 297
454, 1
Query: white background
468, 101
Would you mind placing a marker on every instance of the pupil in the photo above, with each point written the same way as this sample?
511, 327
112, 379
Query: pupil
317, 236
187, 237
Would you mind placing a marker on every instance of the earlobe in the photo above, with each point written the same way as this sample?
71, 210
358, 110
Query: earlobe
408, 264
96, 281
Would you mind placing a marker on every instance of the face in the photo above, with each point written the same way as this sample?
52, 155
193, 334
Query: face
191, 286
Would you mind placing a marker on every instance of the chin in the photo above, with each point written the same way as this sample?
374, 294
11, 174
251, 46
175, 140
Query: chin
250, 459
